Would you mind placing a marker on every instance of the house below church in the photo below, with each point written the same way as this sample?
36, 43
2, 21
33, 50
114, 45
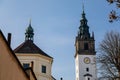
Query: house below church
10, 67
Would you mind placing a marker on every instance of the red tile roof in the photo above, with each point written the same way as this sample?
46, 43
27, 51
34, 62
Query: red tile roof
28, 47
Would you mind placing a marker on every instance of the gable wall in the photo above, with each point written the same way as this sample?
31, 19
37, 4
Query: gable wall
9, 66
38, 62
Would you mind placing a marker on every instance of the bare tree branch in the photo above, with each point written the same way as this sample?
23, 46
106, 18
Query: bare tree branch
109, 58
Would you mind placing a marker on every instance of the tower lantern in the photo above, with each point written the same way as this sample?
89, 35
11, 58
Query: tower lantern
29, 34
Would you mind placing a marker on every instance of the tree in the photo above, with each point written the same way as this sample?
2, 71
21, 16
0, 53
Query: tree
109, 57
113, 14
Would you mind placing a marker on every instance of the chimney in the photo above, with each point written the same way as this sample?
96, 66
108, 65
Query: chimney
9, 38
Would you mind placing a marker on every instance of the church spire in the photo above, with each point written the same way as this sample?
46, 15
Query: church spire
29, 32
83, 13
84, 28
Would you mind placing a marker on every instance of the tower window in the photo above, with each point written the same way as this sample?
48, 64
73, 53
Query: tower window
87, 69
88, 78
26, 65
86, 46
43, 69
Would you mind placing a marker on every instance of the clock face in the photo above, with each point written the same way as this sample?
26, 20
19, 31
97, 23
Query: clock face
87, 60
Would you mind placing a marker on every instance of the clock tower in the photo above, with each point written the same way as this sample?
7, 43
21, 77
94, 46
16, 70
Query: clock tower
85, 55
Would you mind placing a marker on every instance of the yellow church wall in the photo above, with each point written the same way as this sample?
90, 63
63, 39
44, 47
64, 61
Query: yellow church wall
38, 60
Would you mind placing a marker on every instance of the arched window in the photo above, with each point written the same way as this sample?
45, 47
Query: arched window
88, 78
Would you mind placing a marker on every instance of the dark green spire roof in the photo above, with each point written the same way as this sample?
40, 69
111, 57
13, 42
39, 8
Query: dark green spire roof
83, 14
84, 28
29, 32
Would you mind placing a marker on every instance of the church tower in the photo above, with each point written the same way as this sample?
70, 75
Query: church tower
31, 56
85, 55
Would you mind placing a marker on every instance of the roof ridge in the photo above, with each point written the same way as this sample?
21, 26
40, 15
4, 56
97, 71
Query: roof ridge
29, 47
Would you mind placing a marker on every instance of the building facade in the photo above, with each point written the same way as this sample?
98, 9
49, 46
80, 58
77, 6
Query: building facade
32, 56
85, 55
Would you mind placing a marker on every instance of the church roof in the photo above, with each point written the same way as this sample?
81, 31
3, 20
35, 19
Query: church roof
28, 47
84, 33
84, 28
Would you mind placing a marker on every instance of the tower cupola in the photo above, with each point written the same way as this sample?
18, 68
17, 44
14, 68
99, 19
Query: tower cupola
84, 28
29, 32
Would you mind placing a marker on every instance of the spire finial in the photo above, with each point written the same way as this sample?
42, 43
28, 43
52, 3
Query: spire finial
30, 21
83, 6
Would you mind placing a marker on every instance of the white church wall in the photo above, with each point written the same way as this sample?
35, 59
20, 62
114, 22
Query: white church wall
81, 67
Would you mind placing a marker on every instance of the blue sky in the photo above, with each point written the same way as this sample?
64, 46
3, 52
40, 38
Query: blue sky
55, 24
